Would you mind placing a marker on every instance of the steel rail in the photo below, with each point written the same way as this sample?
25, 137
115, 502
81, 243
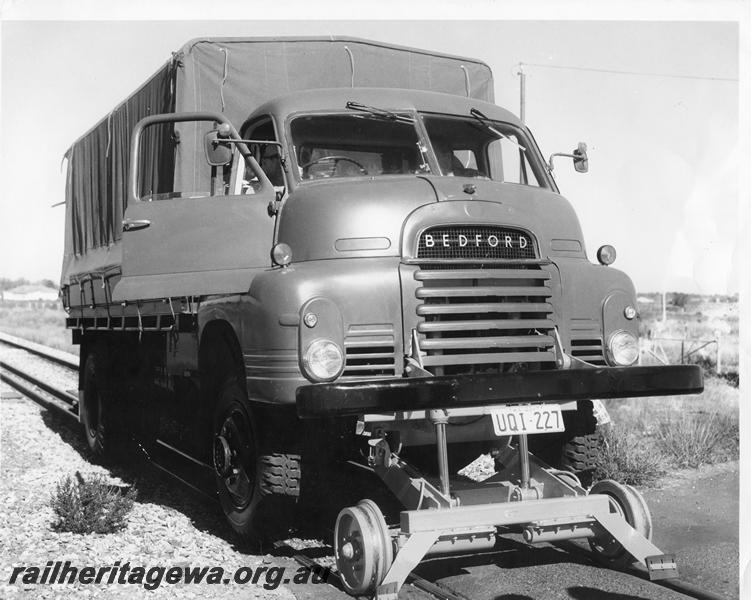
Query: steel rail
63, 395
436, 590
334, 578
53, 399
57, 356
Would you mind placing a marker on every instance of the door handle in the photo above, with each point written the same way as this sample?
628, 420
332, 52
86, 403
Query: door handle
133, 224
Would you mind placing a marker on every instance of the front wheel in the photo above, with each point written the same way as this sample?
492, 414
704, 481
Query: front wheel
246, 479
577, 449
580, 455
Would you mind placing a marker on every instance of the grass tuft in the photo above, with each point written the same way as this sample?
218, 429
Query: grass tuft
699, 438
90, 506
625, 458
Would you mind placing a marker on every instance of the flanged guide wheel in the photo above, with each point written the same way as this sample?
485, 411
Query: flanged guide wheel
628, 503
362, 546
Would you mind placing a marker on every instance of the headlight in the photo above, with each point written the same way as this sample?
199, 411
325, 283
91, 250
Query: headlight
623, 348
323, 360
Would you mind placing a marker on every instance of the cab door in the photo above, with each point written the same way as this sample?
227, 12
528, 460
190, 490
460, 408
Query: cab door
194, 242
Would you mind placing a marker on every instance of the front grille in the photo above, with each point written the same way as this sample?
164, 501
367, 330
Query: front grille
483, 319
474, 242
586, 341
369, 351
588, 350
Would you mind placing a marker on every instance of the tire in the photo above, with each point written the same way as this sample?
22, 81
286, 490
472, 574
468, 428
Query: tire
579, 455
575, 450
97, 406
255, 489
281, 474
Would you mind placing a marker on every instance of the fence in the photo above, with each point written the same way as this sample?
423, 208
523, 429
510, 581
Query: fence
681, 350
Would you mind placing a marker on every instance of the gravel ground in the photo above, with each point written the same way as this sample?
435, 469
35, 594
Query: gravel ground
168, 527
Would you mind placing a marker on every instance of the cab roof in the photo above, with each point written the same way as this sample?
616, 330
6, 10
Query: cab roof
335, 99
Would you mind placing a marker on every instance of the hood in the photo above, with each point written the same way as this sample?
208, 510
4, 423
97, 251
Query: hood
548, 216
351, 217
369, 217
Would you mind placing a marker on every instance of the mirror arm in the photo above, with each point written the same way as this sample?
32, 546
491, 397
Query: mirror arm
550, 160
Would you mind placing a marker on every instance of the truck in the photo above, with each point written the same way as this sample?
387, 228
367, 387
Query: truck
286, 256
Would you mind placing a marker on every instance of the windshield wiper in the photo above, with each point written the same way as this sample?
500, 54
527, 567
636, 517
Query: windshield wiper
379, 112
485, 121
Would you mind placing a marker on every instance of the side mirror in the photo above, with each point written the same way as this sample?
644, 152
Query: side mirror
581, 161
218, 152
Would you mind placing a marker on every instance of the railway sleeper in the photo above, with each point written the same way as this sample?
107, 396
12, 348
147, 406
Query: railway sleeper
450, 517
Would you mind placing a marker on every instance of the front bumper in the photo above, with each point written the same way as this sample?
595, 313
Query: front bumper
425, 393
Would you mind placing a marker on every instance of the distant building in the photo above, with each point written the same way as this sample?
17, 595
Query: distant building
29, 293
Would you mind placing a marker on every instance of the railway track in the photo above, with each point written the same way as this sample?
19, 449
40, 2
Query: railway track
65, 402
49, 396
432, 588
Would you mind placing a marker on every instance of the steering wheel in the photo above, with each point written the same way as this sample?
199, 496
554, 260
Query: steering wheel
335, 159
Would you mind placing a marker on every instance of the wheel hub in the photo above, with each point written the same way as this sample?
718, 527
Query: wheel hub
347, 551
222, 456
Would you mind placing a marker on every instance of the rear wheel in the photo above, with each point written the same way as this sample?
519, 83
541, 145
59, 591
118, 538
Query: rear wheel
97, 411
254, 488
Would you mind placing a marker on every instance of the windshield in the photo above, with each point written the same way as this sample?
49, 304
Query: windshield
352, 145
475, 146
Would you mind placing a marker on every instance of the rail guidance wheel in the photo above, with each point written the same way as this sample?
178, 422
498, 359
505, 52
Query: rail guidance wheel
629, 504
362, 546
644, 517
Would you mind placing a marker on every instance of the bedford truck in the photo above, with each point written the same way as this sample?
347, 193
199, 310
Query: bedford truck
286, 254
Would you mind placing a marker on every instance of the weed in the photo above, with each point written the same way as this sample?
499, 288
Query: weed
625, 458
697, 438
90, 506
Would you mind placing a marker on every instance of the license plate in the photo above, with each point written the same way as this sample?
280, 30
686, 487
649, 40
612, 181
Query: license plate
529, 419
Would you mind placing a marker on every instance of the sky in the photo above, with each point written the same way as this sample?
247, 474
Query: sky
656, 102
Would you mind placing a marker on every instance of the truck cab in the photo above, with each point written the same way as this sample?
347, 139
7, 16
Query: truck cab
383, 194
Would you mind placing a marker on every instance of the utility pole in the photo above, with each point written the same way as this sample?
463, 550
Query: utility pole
522, 91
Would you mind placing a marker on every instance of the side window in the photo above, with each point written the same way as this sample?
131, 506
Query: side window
165, 172
267, 155
513, 162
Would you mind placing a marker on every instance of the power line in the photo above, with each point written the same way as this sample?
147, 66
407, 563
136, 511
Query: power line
523, 64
